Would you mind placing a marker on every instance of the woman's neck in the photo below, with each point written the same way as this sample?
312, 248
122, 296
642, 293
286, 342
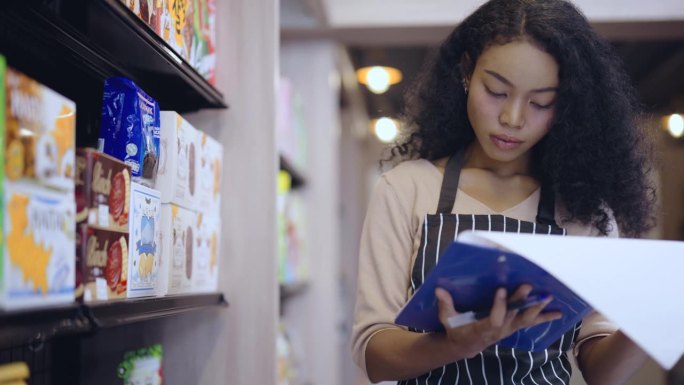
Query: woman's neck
475, 157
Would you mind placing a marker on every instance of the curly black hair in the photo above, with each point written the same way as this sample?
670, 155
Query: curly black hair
596, 155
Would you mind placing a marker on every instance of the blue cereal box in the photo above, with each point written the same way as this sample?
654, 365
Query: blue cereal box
129, 129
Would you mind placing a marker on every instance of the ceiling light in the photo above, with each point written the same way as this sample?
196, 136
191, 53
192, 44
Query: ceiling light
378, 79
675, 125
385, 129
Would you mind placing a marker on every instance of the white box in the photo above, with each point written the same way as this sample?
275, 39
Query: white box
209, 172
144, 241
177, 239
207, 253
176, 178
39, 246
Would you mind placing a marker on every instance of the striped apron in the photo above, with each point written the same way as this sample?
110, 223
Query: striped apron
496, 365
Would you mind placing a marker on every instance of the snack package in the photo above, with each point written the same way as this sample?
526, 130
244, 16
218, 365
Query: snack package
104, 263
143, 366
103, 190
40, 129
209, 170
129, 129
206, 257
189, 28
145, 237
178, 232
38, 264
176, 177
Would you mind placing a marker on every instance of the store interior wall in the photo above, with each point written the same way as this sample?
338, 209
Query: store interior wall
242, 338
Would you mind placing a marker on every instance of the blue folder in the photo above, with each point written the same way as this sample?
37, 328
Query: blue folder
472, 274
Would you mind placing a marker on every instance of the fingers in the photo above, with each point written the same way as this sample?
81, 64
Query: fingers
497, 315
445, 305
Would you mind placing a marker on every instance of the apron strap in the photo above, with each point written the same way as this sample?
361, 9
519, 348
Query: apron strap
447, 196
452, 173
546, 211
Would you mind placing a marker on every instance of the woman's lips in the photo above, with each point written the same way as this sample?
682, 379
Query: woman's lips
504, 142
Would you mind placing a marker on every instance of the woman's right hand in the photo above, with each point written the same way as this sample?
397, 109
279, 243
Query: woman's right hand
469, 340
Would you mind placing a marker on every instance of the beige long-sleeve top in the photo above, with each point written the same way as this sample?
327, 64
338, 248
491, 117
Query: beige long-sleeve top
391, 238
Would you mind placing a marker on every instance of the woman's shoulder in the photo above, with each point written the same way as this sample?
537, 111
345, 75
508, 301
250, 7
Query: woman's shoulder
415, 182
415, 169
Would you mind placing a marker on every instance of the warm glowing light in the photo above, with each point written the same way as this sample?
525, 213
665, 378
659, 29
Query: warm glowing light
675, 125
386, 129
378, 79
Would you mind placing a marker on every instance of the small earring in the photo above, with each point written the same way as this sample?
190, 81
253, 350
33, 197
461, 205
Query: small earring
465, 86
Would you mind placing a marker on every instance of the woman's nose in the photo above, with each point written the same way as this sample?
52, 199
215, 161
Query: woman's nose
512, 114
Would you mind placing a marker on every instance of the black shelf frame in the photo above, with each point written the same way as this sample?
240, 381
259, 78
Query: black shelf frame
74, 45
36, 326
298, 180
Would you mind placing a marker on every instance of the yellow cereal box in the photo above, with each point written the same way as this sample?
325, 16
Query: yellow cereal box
40, 127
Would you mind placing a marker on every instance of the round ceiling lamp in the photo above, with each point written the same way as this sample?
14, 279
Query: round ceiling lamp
378, 79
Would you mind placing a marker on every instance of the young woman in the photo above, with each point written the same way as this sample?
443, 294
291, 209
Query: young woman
525, 119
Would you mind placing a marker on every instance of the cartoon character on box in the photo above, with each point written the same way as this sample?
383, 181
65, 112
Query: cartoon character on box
146, 246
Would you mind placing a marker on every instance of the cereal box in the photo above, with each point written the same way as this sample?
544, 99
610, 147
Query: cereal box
103, 189
145, 236
104, 263
209, 169
38, 265
129, 128
178, 232
207, 249
40, 127
177, 163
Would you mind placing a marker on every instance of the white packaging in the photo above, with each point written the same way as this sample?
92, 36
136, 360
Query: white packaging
207, 252
39, 246
144, 241
176, 179
209, 171
178, 228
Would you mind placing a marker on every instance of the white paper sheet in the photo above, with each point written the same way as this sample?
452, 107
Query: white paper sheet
637, 284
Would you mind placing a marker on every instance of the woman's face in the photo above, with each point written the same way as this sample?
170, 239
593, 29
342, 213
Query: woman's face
511, 99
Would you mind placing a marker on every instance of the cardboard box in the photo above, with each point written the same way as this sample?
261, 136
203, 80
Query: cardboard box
103, 189
38, 261
40, 127
145, 237
178, 232
209, 173
207, 253
104, 263
176, 176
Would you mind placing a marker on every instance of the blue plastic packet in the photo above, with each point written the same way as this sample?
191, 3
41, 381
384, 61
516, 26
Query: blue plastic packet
129, 129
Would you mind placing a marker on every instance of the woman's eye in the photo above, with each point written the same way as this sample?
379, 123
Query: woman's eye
495, 94
542, 106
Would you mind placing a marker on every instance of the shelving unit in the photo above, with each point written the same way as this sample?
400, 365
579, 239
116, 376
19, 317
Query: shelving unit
72, 46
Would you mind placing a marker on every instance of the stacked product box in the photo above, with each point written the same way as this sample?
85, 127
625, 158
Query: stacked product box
103, 196
189, 178
177, 182
144, 257
36, 183
208, 245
